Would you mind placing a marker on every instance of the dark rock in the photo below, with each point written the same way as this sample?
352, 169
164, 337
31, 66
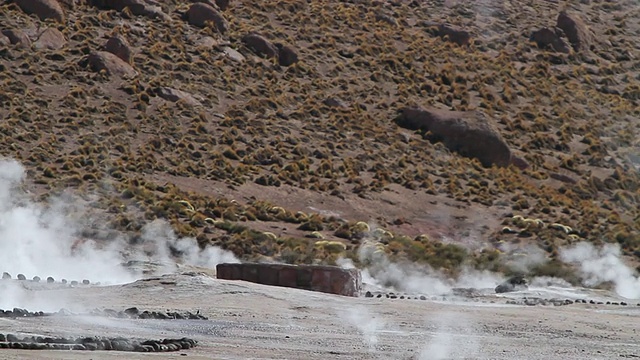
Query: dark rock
64, 281
36, 278
12, 338
17, 37
113, 65
468, 133
122, 345
74, 283
422, 297
546, 38
199, 14
22, 277
368, 294
514, 283
449, 33
287, 56
260, 45
153, 344
132, 311
51, 39
6, 276
44, 9
50, 280
2, 338
136, 7
575, 30
119, 46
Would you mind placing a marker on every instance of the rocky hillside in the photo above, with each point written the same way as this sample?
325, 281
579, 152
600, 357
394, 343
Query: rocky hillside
292, 129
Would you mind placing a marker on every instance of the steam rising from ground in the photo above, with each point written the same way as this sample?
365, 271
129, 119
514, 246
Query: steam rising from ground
414, 278
599, 265
38, 240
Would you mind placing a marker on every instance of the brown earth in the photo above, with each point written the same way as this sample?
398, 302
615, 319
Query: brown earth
312, 129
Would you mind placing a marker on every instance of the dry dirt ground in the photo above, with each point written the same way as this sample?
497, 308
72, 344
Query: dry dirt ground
251, 321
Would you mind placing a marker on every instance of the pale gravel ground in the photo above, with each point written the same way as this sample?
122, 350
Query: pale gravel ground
251, 321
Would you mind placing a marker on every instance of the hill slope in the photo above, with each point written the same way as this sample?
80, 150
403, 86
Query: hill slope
269, 150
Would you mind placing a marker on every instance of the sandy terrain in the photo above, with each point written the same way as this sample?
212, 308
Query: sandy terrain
251, 321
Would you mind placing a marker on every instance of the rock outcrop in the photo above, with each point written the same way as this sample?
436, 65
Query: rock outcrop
199, 14
468, 133
575, 30
44, 9
547, 38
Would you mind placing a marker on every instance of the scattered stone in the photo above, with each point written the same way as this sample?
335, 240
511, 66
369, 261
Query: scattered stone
74, 283
466, 132
22, 277
113, 65
17, 37
64, 281
199, 14
575, 30
36, 278
387, 19
6, 276
44, 9
51, 39
50, 280
95, 343
176, 95
260, 45
449, 33
233, 54
368, 294
335, 102
119, 46
86, 282
515, 283
137, 7
287, 56
547, 38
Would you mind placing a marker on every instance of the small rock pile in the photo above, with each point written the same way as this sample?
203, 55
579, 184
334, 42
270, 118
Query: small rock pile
130, 313
17, 312
135, 313
11, 341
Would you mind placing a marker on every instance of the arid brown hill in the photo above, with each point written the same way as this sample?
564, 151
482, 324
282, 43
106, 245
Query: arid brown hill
266, 126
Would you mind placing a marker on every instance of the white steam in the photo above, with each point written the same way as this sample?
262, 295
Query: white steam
367, 323
452, 338
600, 265
43, 240
380, 272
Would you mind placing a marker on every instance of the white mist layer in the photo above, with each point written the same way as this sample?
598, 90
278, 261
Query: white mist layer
413, 278
599, 265
41, 240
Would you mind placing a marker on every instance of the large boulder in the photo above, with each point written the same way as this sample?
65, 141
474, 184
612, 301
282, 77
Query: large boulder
119, 46
44, 9
514, 283
448, 32
575, 30
17, 37
547, 38
199, 14
50, 38
137, 7
465, 132
113, 65
260, 45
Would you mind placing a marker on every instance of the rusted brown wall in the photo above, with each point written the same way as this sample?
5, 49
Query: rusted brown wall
328, 279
